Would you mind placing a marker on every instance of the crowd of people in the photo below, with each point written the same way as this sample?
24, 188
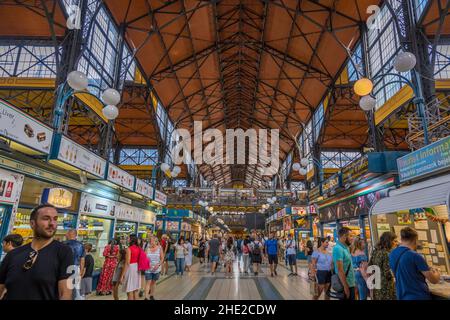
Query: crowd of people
394, 270
52, 270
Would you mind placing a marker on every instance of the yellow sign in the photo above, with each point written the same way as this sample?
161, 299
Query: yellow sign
59, 197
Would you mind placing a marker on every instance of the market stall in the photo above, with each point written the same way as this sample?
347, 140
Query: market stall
423, 203
10, 190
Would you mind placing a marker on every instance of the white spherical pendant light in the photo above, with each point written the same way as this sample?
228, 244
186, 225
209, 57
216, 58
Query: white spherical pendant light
367, 103
302, 172
111, 96
165, 167
77, 80
405, 61
363, 87
176, 170
274, 199
110, 112
304, 162
296, 166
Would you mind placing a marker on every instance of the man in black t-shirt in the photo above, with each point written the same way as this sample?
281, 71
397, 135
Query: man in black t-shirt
42, 269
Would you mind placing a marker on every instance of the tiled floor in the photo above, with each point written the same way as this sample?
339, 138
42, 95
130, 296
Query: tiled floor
200, 284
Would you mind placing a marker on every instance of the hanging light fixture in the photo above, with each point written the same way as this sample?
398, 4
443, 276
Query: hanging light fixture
367, 103
405, 61
302, 171
77, 80
296, 166
110, 112
111, 96
363, 87
304, 162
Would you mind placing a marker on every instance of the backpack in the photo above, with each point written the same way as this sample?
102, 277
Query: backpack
256, 250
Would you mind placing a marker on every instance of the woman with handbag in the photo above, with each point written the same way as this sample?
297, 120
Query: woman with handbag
130, 278
321, 265
360, 263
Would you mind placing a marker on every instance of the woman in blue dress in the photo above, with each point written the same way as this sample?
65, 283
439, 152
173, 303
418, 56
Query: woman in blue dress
360, 262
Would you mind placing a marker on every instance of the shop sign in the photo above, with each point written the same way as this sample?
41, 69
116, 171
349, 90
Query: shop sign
355, 170
128, 213
301, 223
20, 127
314, 193
10, 189
160, 197
125, 200
144, 189
39, 173
333, 183
427, 160
281, 213
312, 209
92, 205
185, 226
351, 208
299, 211
172, 225
148, 217
287, 223
59, 197
120, 177
74, 154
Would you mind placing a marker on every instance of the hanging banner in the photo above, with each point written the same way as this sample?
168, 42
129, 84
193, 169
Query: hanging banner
160, 197
143, 188
23, 129
80, 157
332, 184
299, 211
427, 160
120, 177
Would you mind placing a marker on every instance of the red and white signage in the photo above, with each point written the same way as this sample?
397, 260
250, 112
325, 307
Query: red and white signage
144, 189
10, 190
160, 197
120, 177
299, 211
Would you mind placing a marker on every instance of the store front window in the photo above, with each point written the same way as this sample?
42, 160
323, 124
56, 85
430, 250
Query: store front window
125, 228
95, 231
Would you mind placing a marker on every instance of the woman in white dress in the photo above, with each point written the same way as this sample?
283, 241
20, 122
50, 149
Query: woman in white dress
188, 258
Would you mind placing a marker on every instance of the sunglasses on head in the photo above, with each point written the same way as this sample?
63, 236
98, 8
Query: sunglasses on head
31, 260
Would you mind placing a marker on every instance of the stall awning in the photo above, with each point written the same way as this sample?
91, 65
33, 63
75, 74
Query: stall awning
429, 193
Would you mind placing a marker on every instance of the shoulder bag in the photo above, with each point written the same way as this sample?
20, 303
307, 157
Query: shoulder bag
143, 261
336, 283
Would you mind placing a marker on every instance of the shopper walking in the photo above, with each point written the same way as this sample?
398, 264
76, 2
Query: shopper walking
246, 254
188, 261
11, 242
201, 250
78, 258
309, 249
291, 254
380, 258
42, 269
271, 249
321, 264
360, 263
238, 246
130, 277
86, 281
118, 271
213, 252
155, 255
180, 256
111, 254
257, 253
343, 266
165, 244
410, 269
229, 257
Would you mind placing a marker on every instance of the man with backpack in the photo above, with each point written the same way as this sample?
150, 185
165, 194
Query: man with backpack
256, 251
